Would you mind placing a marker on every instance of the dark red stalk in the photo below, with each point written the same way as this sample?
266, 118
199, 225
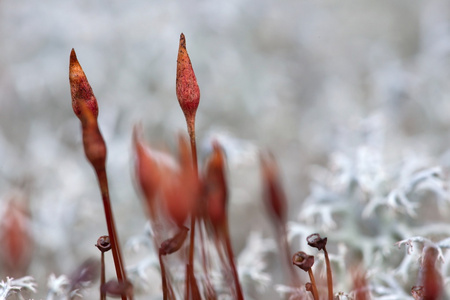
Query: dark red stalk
115, 247
163, 277
229, 249
102, 278
170, 246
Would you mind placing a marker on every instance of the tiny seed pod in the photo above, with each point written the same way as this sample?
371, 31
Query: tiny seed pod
315, 241
103, 243
308, 286
215, 188
303, 261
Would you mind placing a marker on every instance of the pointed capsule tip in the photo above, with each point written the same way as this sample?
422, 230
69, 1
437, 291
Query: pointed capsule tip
182, 41
73, 56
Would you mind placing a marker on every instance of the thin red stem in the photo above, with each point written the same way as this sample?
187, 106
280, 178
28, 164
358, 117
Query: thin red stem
163, 278
115, 247
190, 278
102, 278
230, 254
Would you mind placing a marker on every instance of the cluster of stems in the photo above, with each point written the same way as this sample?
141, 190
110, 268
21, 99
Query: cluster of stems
306, 262
177, 193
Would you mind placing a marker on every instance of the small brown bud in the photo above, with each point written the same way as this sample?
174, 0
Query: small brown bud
174, 244
103, 243
188, 92
303, 261
80, 88
308, 286
315, 241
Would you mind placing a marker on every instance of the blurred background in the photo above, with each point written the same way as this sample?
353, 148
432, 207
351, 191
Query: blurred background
305, 79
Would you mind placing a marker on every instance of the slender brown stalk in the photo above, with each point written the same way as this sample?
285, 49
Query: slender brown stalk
163, 277
209, 289
329, 275
102, 278
191, 130
191, 283
314, 286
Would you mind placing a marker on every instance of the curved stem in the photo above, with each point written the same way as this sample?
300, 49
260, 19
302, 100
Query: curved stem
314, 286
329, 275
229, 250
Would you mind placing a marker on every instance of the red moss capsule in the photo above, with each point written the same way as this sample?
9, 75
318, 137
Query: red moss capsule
188, 92
180, 187
274, 195
215, 188
303, 261
80, 88
16, 243
147, 171
316, 241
